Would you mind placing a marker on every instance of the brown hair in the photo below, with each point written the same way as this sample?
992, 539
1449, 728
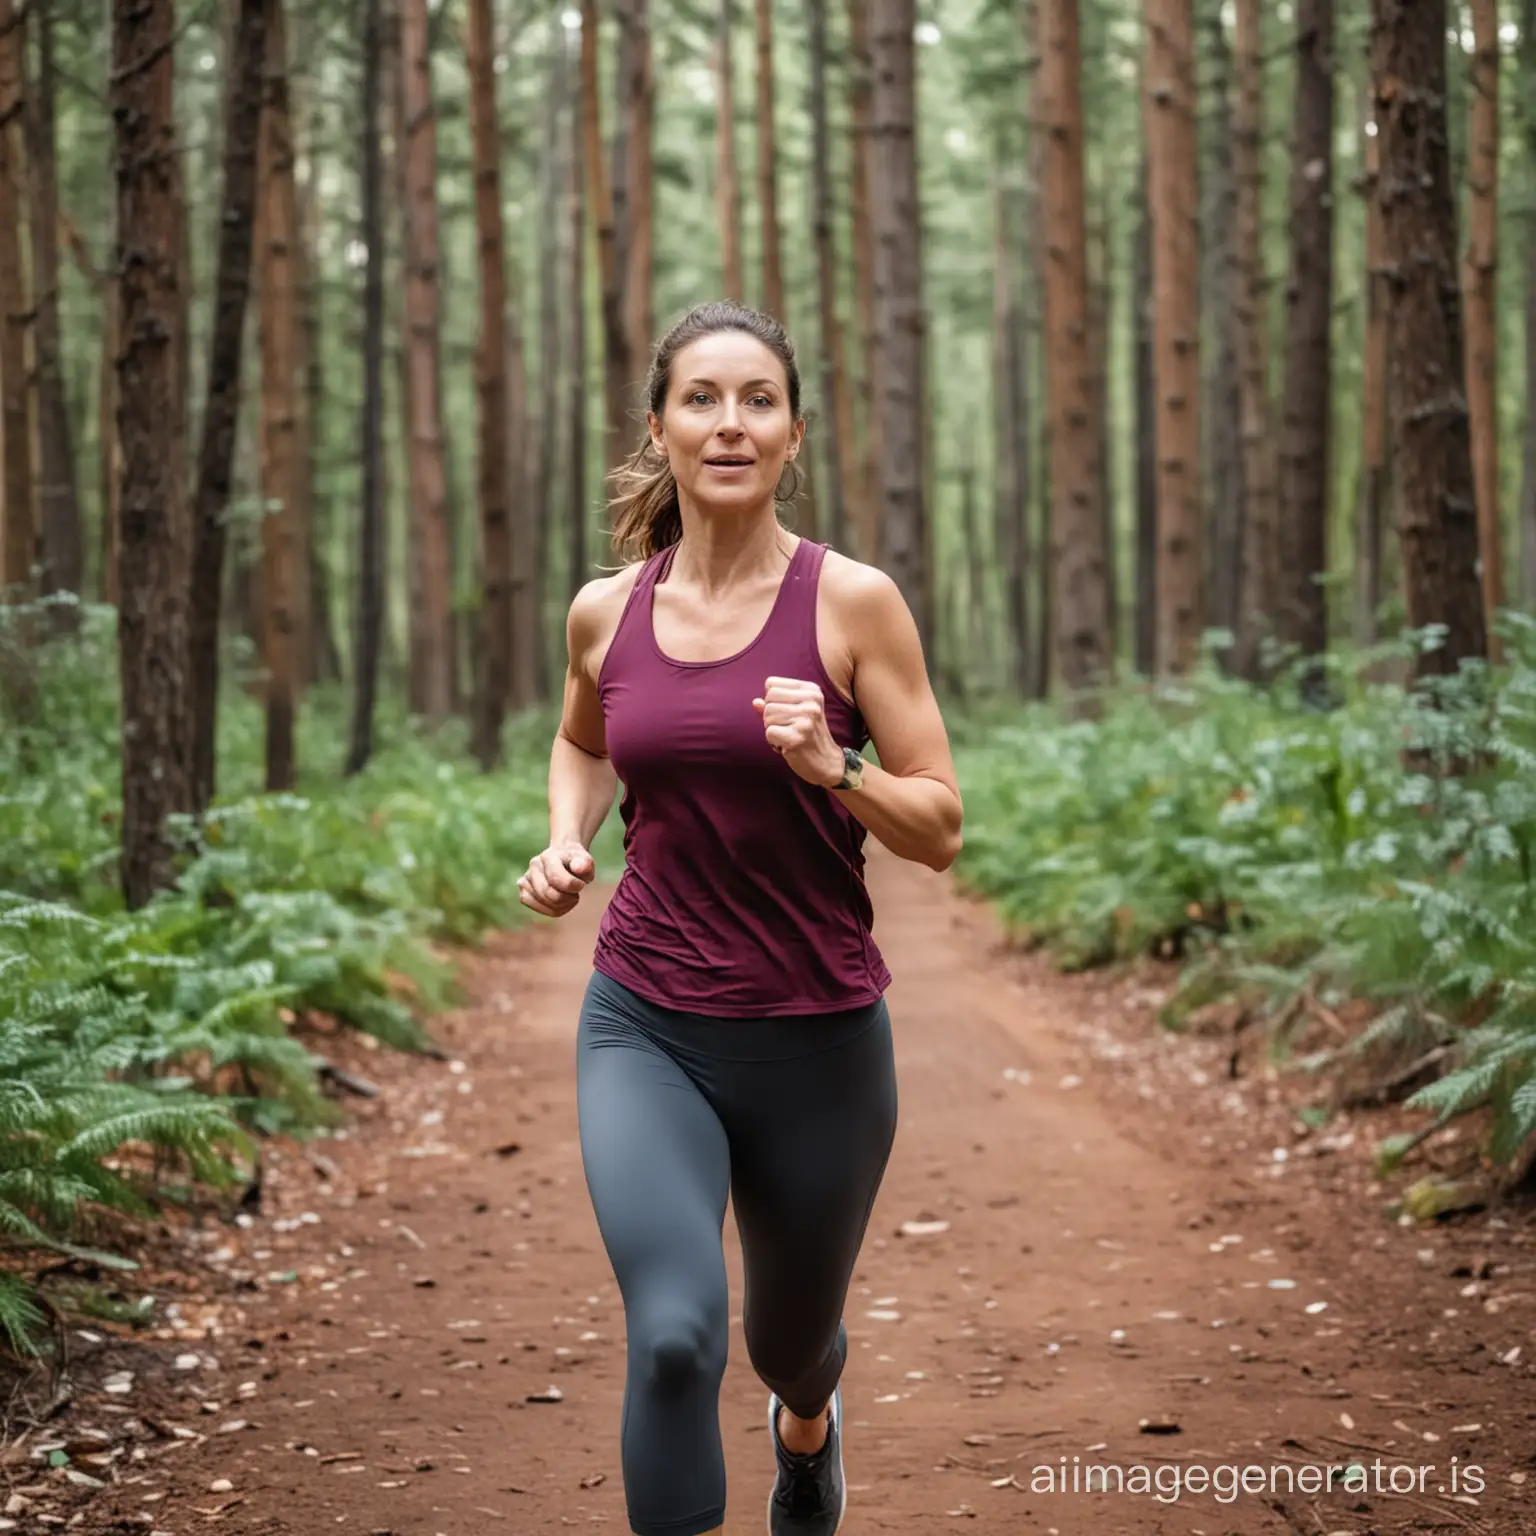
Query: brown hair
646, 517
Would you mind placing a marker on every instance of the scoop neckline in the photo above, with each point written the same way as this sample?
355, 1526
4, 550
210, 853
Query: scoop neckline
749, 647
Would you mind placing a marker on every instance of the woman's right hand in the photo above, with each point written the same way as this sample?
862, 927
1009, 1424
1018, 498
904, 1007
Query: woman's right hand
556, 879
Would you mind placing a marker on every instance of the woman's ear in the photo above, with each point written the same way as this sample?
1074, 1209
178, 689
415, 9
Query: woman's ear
658, 442
796, 437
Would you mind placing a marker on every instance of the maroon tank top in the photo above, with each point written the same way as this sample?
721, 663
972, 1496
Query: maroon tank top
743, 894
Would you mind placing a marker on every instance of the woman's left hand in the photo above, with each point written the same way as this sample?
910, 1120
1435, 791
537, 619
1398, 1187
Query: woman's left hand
795, 725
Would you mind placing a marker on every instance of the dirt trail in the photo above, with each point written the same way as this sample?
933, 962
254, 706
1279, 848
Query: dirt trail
1074, 1294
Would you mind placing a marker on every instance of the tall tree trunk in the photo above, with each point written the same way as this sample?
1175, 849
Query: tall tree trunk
639, 289
554, 264
370, 569
1078, 555
866, 483
1259, 573
899, 321
1221, 413
1528, 467
431, 627
1437, 507
1481, 284
153, 550
1042, 641
1145, 638
110, 452
578, 221
767, 170
727, 182
221, 412
1301, 614
63, 539
620, 367
1010, 434
18, 532
491, 380
283, 573
1174, 185
834, 385
1370, 527
527, 592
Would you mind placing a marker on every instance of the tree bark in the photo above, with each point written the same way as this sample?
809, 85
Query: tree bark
1078, 554
1010, 435
1528, 467
491, 377
1221, 410
62, 535
431, 683
283, 574
221, 412
899, 319
639, 288
865, 497
153, 551
370, 569
727, 182
1301, 614
1250, 307
578, 559
1437, 508
18, 531
1145, 641
767, 170
1174, 185
1370, 528
834, 391
1480, 277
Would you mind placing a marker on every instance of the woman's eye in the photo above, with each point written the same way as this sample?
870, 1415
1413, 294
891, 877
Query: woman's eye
698, 397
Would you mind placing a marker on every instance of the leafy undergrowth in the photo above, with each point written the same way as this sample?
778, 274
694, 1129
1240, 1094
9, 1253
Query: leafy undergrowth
143, 1053
1295, 859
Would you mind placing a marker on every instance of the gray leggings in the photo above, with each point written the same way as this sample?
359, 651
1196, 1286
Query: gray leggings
795, 1117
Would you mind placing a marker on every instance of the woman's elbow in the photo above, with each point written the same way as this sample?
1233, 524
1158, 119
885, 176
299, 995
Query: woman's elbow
949, 844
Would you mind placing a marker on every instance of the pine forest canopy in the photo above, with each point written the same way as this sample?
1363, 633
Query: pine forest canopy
1121, 321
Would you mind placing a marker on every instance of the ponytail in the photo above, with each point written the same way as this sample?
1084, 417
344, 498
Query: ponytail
645, 511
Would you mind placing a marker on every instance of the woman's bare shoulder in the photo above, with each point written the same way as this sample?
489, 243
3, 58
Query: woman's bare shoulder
860, 592
597, 608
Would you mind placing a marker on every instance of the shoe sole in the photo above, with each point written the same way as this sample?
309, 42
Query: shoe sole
842, 1475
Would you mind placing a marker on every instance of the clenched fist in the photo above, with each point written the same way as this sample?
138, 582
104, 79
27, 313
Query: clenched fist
795, 725
556, 878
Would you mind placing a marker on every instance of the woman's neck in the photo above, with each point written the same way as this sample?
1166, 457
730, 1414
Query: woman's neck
718, 551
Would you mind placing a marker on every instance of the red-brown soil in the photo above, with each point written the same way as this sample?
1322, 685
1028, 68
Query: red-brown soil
370, 1345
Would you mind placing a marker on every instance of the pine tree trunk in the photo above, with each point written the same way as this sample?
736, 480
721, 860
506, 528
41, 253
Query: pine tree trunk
899, 319
621, 367
370, 564
1480, 277
1011, 436
727, 181
527, 590
283, 572
110, 452
1301, 612
491, 378
1250, 309
1221, 412
578, 221
63, 537
154, 561
221, 412
639, 290
1145, 639
1370, 528
1437, 507
1528, 466
865, 488
767, 170
431, 627
1078, 555
838, 440
1174, 185
18, 531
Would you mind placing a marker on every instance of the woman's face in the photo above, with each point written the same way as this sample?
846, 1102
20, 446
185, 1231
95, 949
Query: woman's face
726, 427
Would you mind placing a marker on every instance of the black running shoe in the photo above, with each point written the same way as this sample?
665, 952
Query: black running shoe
810, 1493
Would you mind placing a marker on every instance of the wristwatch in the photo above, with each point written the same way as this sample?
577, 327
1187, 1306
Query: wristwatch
853, 771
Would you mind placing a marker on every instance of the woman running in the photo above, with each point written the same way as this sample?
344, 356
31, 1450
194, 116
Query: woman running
734, 1039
